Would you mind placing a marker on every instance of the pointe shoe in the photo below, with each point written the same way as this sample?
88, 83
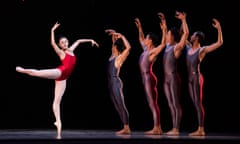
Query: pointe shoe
59, 136
19, 69
59, 129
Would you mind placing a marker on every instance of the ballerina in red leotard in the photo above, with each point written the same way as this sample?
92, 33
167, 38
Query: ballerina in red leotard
61, 73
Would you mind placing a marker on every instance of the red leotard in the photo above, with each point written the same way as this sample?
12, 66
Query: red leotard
67, 66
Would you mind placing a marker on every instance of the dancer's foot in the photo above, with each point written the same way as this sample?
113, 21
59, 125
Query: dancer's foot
173, 132
59, 129
124, 131
154, 131
58, 136
199, 132
19, 69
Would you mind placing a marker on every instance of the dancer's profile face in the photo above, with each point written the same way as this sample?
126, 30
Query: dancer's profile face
169, 37
193, 37
63, 43
148, 40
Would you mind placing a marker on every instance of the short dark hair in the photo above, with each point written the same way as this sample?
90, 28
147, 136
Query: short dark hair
59, 37
154, 38
201, 36
119, 45
176, 33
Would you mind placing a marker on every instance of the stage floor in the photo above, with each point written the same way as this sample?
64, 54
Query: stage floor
109, 137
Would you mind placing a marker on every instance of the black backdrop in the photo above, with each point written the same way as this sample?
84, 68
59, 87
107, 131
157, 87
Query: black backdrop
26, 102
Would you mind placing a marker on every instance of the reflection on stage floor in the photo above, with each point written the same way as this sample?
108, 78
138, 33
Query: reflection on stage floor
108, 137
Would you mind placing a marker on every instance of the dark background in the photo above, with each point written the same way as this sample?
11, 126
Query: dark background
26, 102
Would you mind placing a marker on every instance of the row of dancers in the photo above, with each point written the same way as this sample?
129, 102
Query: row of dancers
173, 42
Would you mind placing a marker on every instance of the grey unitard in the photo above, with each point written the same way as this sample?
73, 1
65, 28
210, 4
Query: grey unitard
195, 83
172, 83
150, 85
115, 87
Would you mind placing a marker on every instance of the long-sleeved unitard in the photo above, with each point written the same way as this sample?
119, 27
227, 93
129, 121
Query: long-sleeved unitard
116, 93
150, 85
172, 85
195, 83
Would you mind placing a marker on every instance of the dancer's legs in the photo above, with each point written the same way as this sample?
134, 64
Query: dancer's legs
44, 73
196, 90
60, 87
150, 83
172, 92
119, 103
